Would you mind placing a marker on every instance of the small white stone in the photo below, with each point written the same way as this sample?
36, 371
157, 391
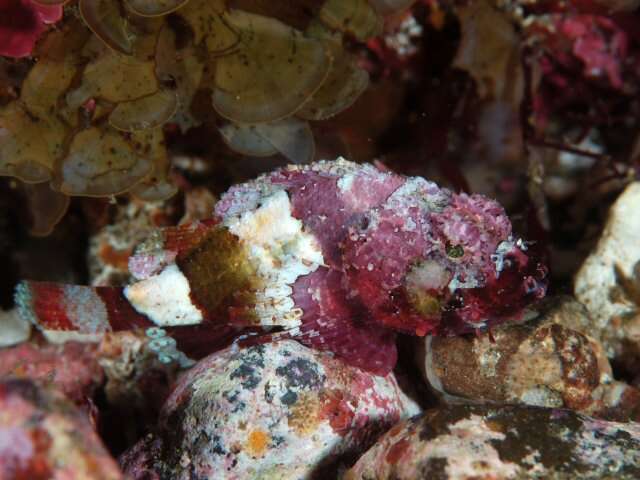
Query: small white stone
13, 329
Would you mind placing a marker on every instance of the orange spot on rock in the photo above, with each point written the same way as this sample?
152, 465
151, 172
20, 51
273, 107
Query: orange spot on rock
115, 258
257, 443
396, 429
337, 410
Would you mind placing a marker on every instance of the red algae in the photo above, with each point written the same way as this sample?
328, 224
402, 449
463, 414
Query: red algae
22, 22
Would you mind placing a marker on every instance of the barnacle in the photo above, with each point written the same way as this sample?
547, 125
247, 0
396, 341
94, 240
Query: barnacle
46, 206
245, 139
28, 148
155, 8
343, 85
33, 136
356, 17
145, 112
156, 185
209, 26
183, 67
115, 78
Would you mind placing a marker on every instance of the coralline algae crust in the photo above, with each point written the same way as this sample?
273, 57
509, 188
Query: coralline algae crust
274, 408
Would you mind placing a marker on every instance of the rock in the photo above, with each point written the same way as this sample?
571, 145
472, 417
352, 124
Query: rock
13, 329
122, 363
543, 362
608, 283
135, 379
510, 442
72, 368
44, 437
111, 246
278, 410
137, 385
617, 401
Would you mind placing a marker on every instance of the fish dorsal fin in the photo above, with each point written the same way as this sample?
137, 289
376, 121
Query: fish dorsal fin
165, 244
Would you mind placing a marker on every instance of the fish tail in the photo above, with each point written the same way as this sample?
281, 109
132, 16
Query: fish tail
74, 308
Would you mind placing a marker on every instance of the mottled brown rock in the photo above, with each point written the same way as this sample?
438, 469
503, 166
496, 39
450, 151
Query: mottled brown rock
499, 443
544, 362
45, 437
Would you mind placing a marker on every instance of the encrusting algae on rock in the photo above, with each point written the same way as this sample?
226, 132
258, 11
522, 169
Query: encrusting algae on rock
336, 255
276, 411
45, 437
506, 442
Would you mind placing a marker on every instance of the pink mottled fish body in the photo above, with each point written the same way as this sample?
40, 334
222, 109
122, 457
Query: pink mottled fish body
336, 255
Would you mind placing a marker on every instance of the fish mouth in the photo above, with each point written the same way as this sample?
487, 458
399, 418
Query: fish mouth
521, 280
437, 300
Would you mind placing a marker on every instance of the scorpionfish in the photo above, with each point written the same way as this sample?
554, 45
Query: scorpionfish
337, 255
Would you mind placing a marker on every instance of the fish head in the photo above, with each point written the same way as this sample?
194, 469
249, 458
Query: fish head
443, 268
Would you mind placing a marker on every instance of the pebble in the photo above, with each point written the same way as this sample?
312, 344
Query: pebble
500, 443
608, 283
72, 368
45, 437
543, 362
13, 329
272, 411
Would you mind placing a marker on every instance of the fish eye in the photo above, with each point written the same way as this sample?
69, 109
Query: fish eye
363, 223
454, 251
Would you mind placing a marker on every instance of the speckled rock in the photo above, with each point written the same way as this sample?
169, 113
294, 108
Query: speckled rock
608, 282
44, 437
73, 367
542, 362
273, 411
511, 442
